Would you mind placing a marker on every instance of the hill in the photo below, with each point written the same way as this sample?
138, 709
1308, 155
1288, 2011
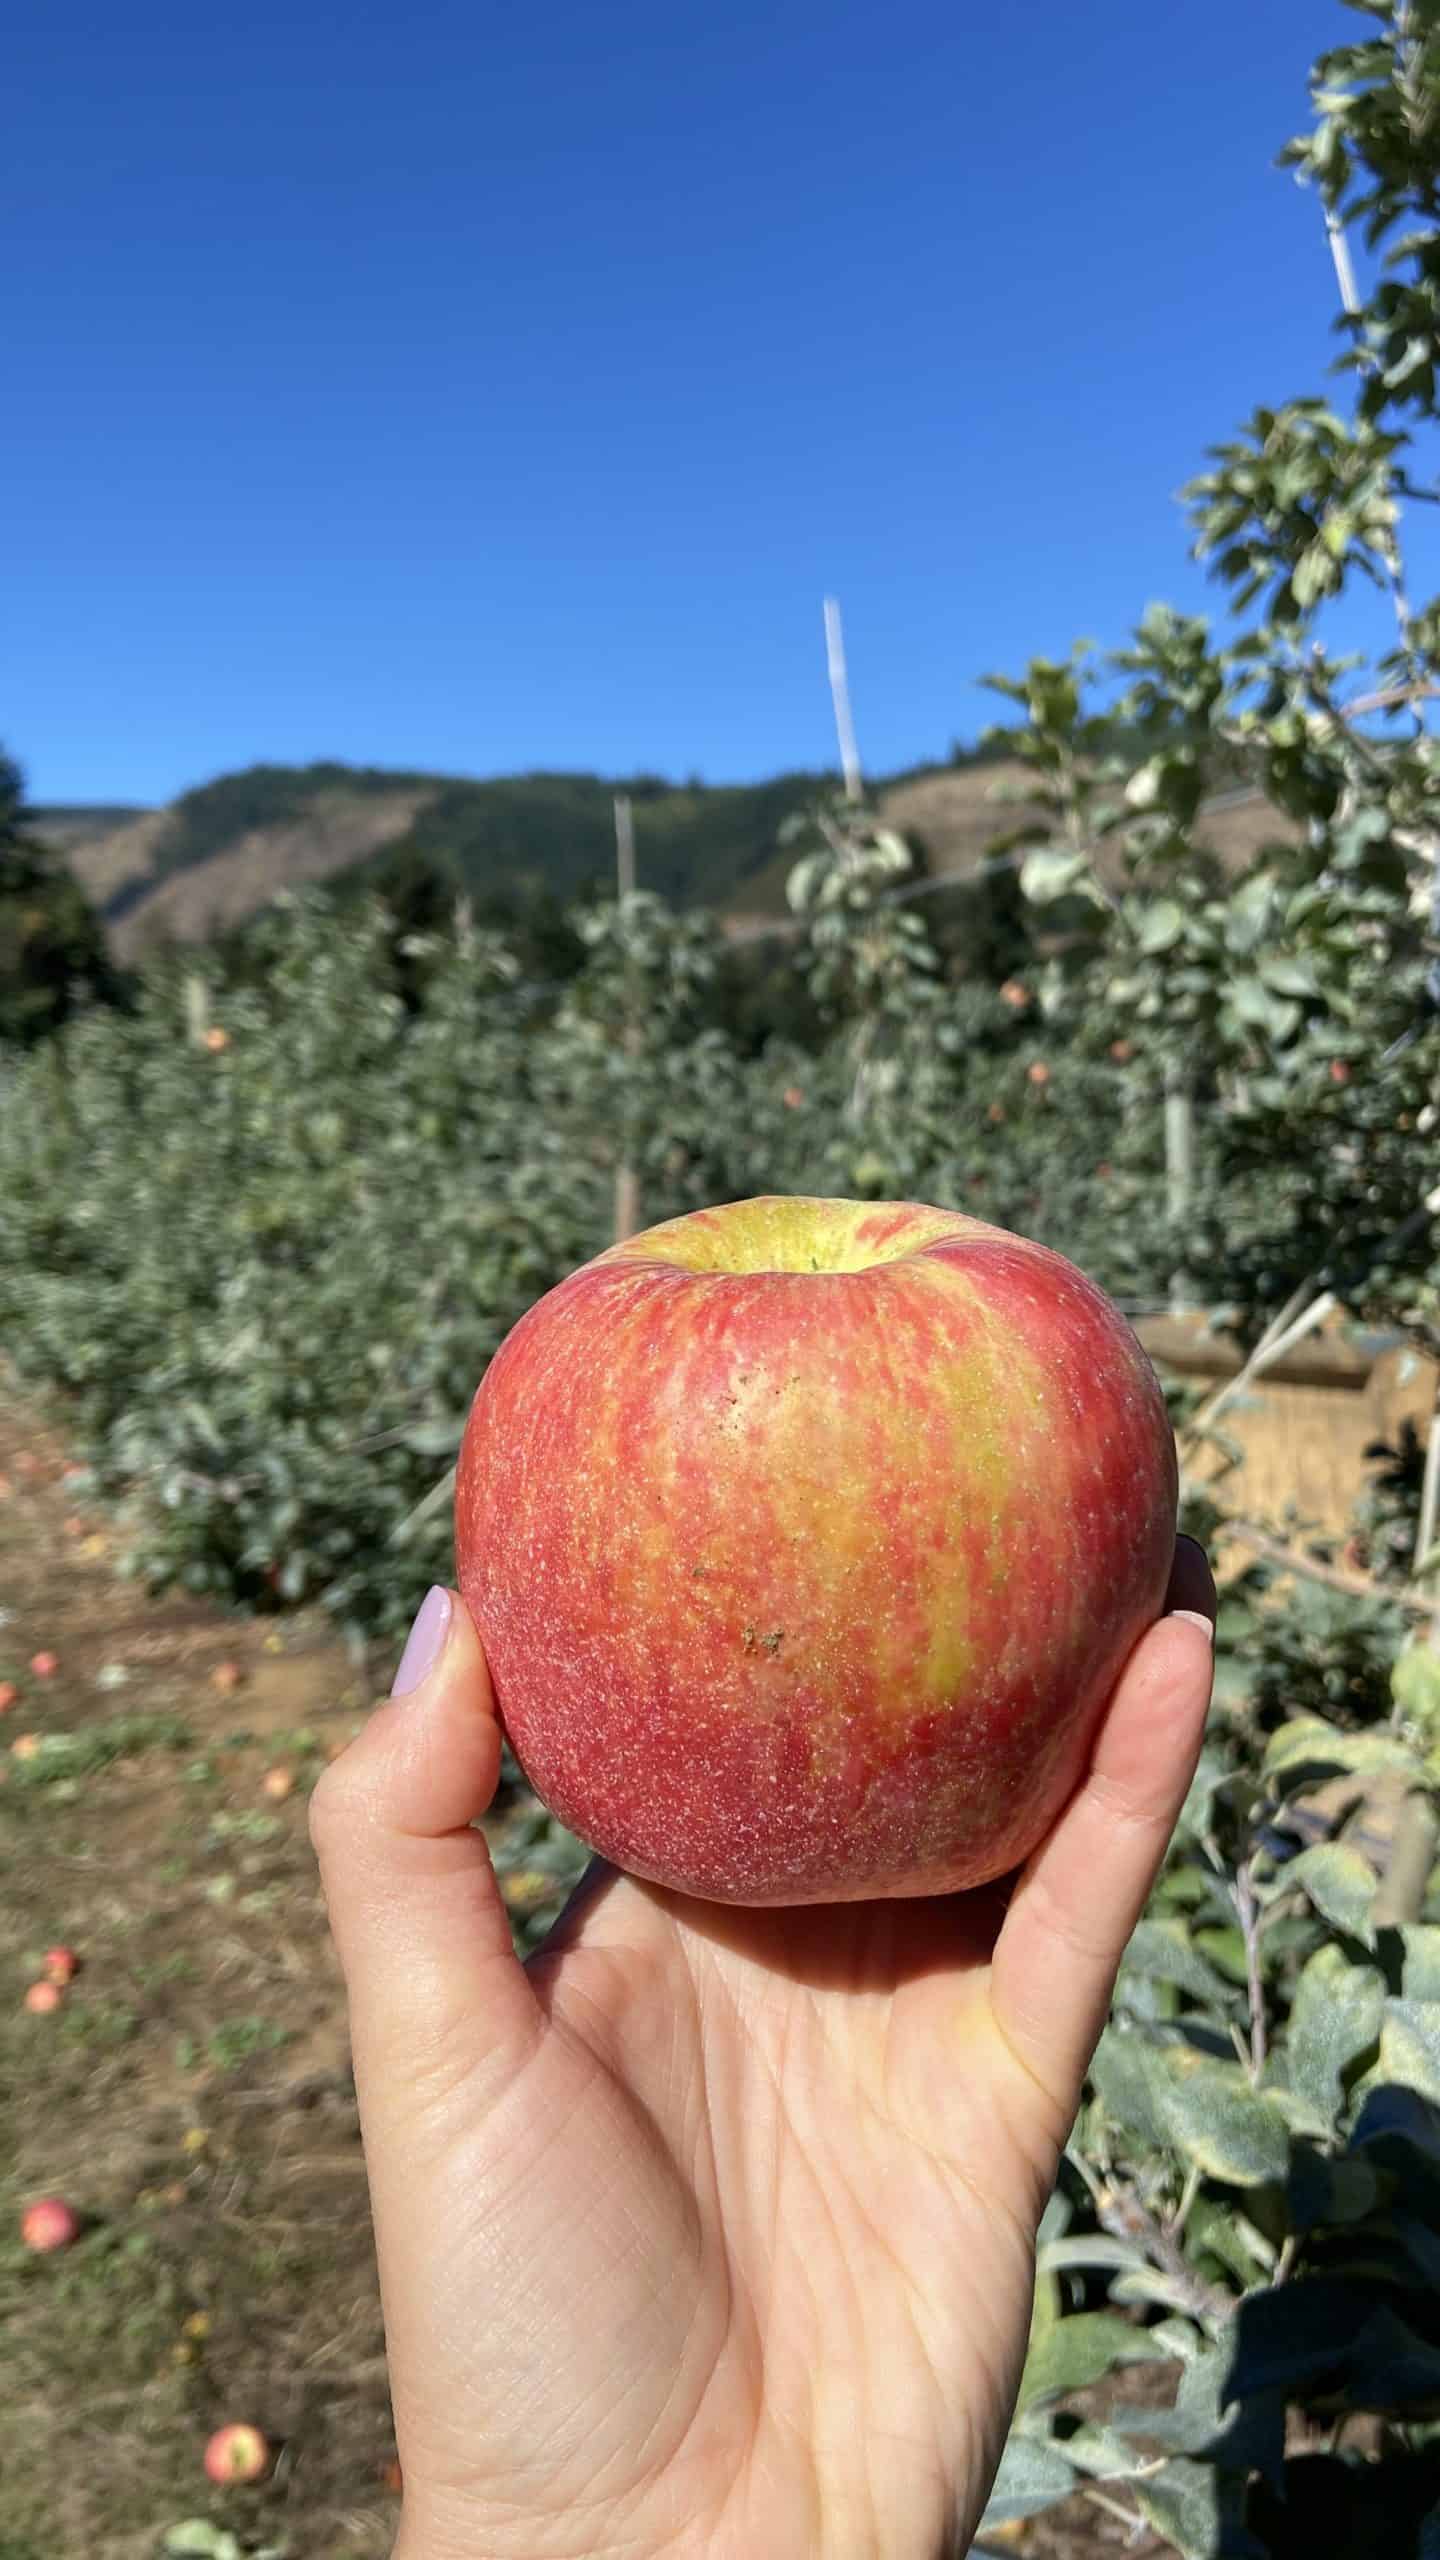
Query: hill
220, 852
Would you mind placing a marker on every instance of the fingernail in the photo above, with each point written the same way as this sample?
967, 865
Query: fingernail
425, 1642
1192, 1618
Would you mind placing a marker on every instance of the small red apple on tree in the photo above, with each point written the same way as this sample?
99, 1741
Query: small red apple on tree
8, 1696
44, 1665
60, 1964
866, 1504
49, 2223
236, 2455
43, 1997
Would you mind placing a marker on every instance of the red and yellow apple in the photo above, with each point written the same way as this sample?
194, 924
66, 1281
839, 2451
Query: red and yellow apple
236, 2455
49, 2223
806, 1539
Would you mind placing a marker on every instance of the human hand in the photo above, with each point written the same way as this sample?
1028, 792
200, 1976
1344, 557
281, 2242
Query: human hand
710, 2231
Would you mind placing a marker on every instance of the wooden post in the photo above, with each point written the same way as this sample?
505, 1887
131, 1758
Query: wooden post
840, 696
626, 1219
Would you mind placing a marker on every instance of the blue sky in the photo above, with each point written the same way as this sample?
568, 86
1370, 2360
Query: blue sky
480, 388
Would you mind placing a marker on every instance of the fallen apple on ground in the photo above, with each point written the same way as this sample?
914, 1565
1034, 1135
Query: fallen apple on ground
236, 2455
806, 1539
49, 2223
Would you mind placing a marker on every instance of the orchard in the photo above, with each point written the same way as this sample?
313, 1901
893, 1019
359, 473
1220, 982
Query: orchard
264, 1231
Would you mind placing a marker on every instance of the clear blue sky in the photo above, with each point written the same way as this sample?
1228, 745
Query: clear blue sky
476, 387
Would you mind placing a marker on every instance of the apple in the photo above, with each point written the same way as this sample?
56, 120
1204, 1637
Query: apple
8, 1695
278, 1783
49, 2224
226, 1676
1038, 1073
42, 1997
806, 1540
236, 2455
44, 1665
60, 1964
26, 1746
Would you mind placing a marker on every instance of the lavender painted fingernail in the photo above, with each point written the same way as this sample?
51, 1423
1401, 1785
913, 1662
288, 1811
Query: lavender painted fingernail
425, 1642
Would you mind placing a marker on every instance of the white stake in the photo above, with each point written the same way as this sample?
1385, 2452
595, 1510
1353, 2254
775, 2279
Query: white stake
840, 696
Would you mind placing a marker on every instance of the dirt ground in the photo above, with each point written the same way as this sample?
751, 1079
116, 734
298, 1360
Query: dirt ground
191, 2096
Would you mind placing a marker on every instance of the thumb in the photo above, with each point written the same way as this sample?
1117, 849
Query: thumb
436, 1991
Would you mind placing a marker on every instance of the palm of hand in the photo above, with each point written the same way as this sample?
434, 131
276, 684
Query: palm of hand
774, 2234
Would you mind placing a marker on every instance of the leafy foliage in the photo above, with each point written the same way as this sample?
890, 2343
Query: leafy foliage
52, 952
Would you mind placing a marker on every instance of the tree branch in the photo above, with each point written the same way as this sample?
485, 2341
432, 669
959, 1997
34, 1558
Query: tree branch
1360, 1586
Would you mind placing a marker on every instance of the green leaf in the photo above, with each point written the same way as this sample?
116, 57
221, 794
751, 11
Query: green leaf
1128, 2076
1252, 1001
1321, 2190
1161, 925
1289, 974
1308, 1749
1410, 2046
1225, 1949
1050, 873
1415, 1685
1164, 1949
1339, 1882
1077, 2351
1033, 2475
1336, 2015
1420, 1961
1183, 2503
1220, 2123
